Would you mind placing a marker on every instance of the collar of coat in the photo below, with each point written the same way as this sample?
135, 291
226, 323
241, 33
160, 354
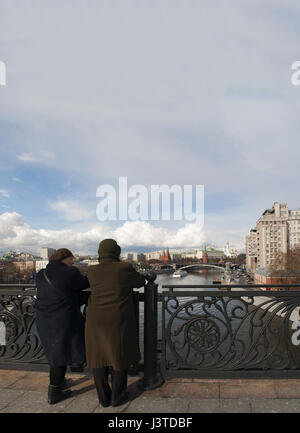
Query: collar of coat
108, 257
56, 263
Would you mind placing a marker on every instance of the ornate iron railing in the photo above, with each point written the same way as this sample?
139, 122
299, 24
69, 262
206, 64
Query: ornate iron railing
229, 333
205, 332
22, 343
22, 346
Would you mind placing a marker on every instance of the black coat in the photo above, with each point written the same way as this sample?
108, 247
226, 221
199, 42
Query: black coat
59, 322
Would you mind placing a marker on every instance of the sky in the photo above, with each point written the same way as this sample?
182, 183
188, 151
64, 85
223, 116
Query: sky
161, 92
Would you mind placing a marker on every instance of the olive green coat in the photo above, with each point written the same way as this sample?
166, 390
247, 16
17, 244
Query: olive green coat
111, 334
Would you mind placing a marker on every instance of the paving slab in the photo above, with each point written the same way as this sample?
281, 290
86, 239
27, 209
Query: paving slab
31, 382
204, 405
248, 390
278, 405
185, 390
8, 377
110, 409
82, 404
287, 390
158, 405
34, 402
27, 392
8, 396
235, 405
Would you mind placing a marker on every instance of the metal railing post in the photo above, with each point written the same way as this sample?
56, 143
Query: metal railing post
152, 375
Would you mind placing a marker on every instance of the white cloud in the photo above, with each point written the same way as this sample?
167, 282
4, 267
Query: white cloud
15, 233
16, 179
36, 156
72, 210
4, 193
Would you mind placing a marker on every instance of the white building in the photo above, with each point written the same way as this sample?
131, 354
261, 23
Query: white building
276, 231
40, 264
155, 255
46, 253
197, 254
229, 251
90, 262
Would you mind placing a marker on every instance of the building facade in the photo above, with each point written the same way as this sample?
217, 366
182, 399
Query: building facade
46, 253
276, 231
40, 264
230, 251
264, 276
25, 266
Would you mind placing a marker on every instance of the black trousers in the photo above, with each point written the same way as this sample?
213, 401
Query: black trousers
57, 375
106, 394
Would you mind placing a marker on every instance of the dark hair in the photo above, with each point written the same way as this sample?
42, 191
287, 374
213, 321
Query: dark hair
60, 254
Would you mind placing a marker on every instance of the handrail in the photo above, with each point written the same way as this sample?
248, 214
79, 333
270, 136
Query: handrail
200, 286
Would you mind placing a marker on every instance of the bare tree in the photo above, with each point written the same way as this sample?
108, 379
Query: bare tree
287, 264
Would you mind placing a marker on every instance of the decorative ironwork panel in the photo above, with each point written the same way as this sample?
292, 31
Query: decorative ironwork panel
17, 313
19, 339
218, 331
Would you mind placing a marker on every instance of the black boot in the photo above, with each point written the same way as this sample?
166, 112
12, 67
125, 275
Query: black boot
122, 399
55, 394
66, 383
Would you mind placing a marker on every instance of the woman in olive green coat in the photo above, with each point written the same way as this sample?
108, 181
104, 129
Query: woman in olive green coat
111, 333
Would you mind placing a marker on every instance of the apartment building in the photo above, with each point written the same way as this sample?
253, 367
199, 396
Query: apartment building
46, 253
252, 250
276, 231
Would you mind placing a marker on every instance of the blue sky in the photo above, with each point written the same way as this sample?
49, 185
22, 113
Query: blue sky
164, 92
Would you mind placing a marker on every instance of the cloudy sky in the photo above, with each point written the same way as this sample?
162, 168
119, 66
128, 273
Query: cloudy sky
161, 92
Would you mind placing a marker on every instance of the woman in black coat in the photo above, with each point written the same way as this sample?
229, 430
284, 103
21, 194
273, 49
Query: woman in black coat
58, 319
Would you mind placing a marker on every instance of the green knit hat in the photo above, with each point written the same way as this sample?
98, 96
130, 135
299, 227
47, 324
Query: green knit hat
109, 246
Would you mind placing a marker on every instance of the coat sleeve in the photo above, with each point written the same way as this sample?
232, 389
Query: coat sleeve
136, 280
78, 282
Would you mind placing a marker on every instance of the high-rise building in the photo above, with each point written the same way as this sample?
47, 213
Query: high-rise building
46, 253
252, 250
276, 231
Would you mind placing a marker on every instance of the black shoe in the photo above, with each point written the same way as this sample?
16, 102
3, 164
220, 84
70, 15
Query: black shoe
107, 400
104, 403
55, 394
124, 398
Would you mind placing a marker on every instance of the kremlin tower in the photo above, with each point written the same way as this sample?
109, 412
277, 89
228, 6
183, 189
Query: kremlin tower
165, 256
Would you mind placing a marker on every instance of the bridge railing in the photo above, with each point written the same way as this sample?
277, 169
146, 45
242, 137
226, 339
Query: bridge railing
205, 332
231, 332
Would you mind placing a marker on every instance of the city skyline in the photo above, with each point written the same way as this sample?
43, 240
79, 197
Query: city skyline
198, 101
38, 254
